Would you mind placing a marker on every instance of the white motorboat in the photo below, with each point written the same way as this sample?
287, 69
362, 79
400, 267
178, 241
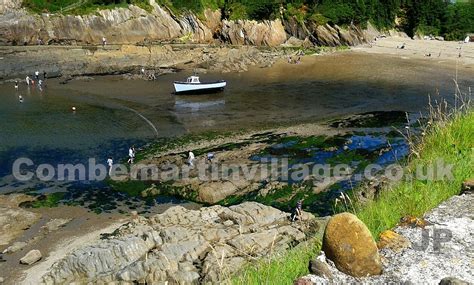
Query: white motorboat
194, 86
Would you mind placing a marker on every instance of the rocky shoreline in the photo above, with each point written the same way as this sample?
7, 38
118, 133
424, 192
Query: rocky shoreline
179, 246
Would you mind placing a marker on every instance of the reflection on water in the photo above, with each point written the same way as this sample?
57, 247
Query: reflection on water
112, 113
198, 103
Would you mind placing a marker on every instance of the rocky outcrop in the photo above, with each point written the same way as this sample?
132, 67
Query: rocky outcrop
182, 246
91, 60
349, 244
240, 32
329, 35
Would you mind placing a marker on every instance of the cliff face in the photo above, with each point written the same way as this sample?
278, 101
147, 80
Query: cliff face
327, 35
133, 25
121, 25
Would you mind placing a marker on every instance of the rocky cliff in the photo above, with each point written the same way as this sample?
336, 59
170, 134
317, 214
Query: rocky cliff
134, 25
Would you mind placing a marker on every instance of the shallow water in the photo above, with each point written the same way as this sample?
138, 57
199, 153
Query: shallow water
110, 111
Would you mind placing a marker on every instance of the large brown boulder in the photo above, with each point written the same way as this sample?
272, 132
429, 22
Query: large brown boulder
349, 244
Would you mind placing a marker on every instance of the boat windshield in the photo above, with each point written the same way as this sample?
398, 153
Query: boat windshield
193, 79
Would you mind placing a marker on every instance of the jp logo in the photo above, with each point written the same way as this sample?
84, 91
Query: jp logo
439, 237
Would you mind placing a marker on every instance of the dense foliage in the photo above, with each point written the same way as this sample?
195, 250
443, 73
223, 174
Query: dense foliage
436, 17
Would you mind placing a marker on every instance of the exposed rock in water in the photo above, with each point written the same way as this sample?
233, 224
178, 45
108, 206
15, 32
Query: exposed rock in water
349, 244
183, 246
31, 257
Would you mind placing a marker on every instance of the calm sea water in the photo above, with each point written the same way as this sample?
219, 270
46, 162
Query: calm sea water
113, 113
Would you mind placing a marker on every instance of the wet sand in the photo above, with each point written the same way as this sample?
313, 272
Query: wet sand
57, 243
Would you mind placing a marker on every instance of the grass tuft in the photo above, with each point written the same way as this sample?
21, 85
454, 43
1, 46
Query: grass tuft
280, 269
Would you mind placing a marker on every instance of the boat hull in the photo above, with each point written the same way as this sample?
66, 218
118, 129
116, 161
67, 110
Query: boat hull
199, 88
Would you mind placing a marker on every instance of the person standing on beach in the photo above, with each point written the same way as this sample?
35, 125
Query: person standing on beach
37, 74
16, 84
27, 80
110, 163
44, 75
104, 41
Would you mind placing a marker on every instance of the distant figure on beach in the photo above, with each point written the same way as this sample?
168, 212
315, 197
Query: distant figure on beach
290, 59
110, 163
191, 159
27, 80
37, 74
16, 84
131, 154
44, 75
40, 83
104, 41
143, 70
297, 211
467, 39
20, 98
298, 61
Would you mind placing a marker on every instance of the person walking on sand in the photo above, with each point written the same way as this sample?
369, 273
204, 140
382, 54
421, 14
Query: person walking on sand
37, 74
297, 211
110, 163
104, 41
16, 84
27, 80
44, 75
20, 98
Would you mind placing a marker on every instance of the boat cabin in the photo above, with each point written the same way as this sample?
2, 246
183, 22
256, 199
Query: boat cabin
193, 79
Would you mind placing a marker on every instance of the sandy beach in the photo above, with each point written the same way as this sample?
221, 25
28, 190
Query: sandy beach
434, 50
